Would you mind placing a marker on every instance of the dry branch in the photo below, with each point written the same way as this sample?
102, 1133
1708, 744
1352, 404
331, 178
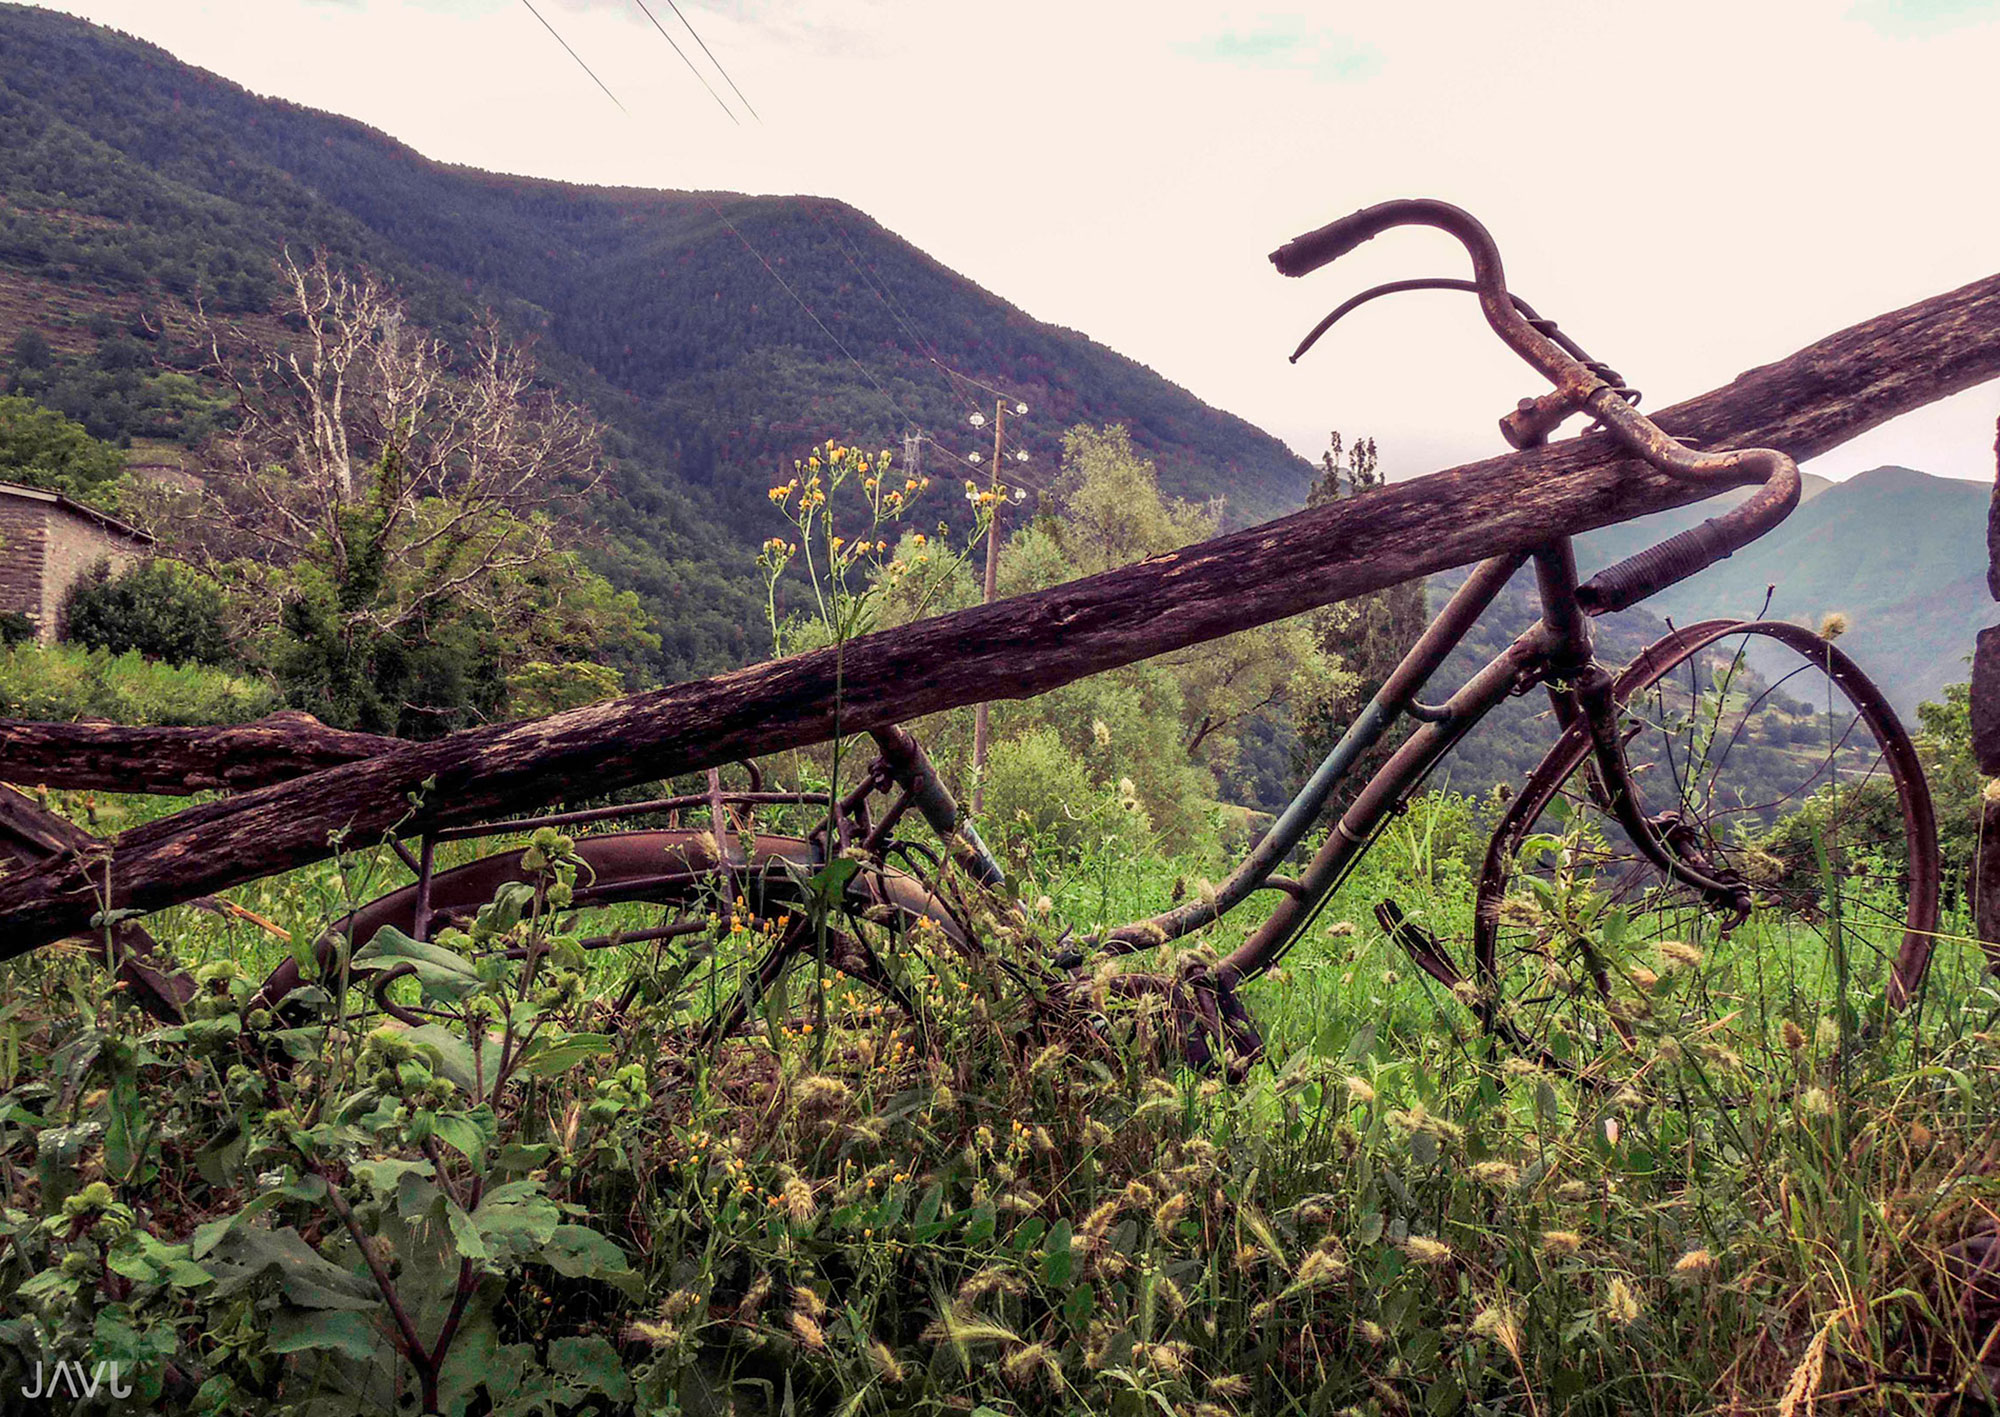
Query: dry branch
1812, 401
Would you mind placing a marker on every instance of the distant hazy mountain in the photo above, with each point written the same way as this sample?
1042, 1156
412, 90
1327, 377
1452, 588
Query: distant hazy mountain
1900, 553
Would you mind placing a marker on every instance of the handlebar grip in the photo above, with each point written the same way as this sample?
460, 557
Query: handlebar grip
1305, 254
1697, 548
1654, 569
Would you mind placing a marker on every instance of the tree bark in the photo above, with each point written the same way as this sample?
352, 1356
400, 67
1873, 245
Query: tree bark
1027, 645
173, 762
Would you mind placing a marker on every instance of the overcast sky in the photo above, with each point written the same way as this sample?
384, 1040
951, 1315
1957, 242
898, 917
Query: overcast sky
1691, 188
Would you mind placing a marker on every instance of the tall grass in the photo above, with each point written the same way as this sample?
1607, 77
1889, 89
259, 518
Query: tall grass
1028, 1210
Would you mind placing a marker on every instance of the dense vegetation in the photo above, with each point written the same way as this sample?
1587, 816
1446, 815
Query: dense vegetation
1013, 1209
930, 1174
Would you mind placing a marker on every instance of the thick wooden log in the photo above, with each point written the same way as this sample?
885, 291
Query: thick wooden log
1015, 648
31, 834
173, 762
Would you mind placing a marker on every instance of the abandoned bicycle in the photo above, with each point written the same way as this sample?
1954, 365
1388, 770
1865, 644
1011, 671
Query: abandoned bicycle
1736, 779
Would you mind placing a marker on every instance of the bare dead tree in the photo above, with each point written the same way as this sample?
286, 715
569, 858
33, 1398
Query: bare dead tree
373, 448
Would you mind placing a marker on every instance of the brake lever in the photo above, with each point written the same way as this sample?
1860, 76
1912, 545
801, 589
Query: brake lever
1533, 419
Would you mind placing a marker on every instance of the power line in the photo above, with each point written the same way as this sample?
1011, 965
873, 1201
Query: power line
866, 373
578, 57
711, 58
953, 379
889, 301
723, 217
644, 9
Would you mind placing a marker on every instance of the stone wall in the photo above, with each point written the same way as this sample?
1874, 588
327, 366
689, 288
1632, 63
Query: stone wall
23, 536
45, 548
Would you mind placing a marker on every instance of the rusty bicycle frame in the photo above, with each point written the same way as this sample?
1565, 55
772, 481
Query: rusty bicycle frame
675, 866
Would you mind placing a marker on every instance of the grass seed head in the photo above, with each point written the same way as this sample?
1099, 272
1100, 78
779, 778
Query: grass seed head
1678, 954
1621, 1302
1031, 1363
1695, 1264
807, 1331
1497, 1323
883, 1359
1425, 1249
1561, 1242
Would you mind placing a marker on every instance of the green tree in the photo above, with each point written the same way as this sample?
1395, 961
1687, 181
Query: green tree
1944, 741
385, 516
1370, 633
1164, 734
41, 448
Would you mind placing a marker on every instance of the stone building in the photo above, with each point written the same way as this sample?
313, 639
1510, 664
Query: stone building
49, 542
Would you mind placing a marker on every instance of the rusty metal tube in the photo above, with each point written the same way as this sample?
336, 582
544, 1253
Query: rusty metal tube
1392, 700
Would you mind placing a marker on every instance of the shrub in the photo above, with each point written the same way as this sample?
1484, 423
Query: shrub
1035, 784
156, 608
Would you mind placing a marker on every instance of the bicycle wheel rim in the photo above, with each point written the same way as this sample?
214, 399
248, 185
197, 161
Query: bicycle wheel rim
1767, 755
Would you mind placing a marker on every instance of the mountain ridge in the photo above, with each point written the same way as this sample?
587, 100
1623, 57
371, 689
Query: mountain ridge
1900, 553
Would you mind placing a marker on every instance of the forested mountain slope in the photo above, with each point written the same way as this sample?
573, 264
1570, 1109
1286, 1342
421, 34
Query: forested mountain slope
129, 179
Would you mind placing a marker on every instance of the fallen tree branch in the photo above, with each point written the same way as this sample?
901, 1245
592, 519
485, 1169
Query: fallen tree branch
1027, 645
31, 834
173, 762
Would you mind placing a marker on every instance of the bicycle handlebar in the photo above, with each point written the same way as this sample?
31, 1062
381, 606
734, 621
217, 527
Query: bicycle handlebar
1678, 557
1303, 255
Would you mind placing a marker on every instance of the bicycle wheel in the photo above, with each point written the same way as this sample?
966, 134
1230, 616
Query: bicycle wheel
1766, 761
720, 943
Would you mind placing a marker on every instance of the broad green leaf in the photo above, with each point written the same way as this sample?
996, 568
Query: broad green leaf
468, 1132
443, 975
578, 1252
305, 1277
561, 1054
1057, 1257
384, 1176
832, 878
508, 905
592, 1362
979, 1225
349, 1333
465, 1236
454, 1058
516, 1220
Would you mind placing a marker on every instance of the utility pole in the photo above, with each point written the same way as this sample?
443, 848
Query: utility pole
992, 588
